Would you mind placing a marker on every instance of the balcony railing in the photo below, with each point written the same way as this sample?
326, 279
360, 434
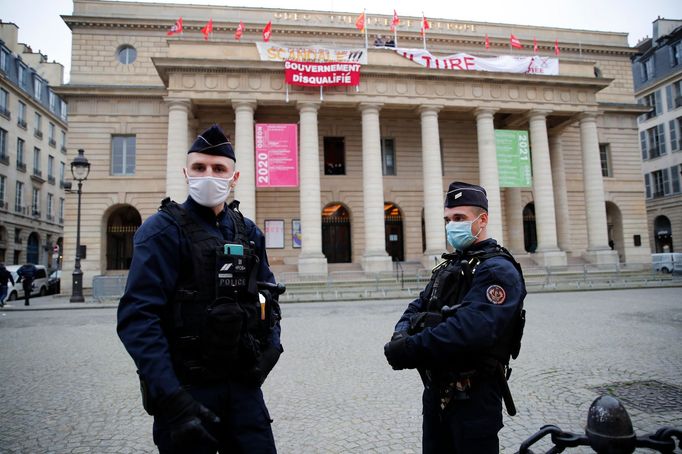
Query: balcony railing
4, 159
21, 123
35, 213
51, 179
61, 220
38, 133
21, 166
52, 142
37, 176
5, 113
63, 149
50, 217
3, 205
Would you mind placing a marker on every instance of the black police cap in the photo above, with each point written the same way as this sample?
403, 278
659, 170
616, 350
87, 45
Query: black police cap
465, 194
214, 142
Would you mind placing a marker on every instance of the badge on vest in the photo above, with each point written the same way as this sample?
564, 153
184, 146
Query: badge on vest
496, 294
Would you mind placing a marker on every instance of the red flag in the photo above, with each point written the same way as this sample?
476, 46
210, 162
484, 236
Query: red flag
425, 25
556, 47
240, 31
487, 41
176, 28
514, 42
267, 31
395, 21
535, 44
208, 29
360, 21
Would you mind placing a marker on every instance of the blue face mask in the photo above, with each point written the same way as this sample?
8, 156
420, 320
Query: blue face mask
459, 234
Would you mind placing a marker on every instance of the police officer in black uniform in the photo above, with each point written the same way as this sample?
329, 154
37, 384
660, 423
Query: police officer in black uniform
461, 331
201, 333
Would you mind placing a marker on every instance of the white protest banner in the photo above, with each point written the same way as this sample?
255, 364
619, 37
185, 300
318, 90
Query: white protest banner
281, 52
466, 62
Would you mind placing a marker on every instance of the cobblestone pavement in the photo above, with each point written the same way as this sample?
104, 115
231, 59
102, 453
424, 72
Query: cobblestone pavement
67, 385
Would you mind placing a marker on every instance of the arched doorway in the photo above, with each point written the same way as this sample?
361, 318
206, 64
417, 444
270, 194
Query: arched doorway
614, 222
121, 226
393, 222
336, 233
530, 235
663, 233
33, 248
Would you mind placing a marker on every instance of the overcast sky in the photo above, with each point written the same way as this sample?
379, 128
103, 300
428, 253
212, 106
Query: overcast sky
41, 27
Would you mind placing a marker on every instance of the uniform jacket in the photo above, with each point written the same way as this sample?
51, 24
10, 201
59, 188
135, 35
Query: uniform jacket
159, 250
478, 323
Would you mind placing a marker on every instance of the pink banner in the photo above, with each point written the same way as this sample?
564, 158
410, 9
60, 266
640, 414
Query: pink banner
276, 155
321, 74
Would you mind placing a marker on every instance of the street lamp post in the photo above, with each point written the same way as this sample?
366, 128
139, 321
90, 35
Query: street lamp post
80, 168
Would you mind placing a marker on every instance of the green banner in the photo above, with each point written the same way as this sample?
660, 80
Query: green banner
513, 158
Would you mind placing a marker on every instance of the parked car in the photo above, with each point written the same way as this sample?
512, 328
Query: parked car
667, 262
53, 282
16, 291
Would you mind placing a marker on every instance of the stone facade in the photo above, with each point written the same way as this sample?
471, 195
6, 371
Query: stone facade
441, 124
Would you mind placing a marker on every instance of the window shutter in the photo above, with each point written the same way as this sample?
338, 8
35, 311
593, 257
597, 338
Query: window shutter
662, 149
643, 144
647, 185
658, 102
675, 179
674, 146
669, 96
666, 181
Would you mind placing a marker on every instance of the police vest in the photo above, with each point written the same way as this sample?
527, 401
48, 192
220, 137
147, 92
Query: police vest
451, 281
214, 325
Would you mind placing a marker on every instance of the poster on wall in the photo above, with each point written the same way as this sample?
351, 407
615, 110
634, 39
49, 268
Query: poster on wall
513, 158
322, 74
276, 155
274, 234
296, 233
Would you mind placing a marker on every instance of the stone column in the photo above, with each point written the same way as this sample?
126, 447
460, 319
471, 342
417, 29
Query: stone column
598, 250
547, 253
514, 211
487, 171
560, 191
375, 257
245, 191
310, 260
432, 173
176, 157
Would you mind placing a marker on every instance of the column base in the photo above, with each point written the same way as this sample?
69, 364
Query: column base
376, 263
431, 259
550, 258
312, 264
601, 257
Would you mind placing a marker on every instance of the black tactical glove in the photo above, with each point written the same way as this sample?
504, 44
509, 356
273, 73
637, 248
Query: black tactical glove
398, 354
398, 335
187, 419
264, 364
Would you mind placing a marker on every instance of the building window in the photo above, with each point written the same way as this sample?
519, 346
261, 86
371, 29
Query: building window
334, 156
675, 178
388, 156
674, 94
62, 112
21, 163
675, 53
126, 54
3, 144
63, 141
675, 139
35, 202
37, 87
605, 157
3, 191
62, 170
660, 183
36, 162
17, 235
123, 155
4, 64
19, 197
50, 197
653, 142
38, 125
50, 168
61, 210
647, 68
51, 135
53, 101
21, 115
21, 75
4, 103
653, 100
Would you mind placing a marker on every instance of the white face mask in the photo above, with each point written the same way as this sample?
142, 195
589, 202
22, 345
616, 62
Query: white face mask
209, 191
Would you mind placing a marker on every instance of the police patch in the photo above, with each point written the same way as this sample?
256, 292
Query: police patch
496, 294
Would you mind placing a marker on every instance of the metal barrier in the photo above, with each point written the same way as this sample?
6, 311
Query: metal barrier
108, 287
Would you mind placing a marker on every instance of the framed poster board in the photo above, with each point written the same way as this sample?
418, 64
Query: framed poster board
274, 233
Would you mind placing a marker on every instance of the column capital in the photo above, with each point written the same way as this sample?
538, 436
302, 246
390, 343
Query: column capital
482, 112
177, 103
587, 116
538, 113
363, 106
240, 104
308, 106
429, 108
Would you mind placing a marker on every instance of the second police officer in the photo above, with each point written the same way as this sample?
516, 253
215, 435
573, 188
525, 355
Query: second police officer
202, 337
461, 331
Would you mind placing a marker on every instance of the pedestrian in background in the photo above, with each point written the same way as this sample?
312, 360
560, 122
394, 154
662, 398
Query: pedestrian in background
5, 278
462, 330
27, 274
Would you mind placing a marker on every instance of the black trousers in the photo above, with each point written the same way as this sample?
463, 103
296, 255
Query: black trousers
244, 422
465, 426
27, 286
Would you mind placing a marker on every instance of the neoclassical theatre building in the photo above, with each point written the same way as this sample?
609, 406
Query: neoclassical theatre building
374, 159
